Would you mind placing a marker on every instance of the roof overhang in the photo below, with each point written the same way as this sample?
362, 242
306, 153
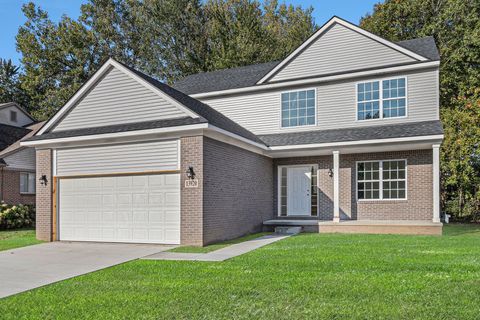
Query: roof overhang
323, 29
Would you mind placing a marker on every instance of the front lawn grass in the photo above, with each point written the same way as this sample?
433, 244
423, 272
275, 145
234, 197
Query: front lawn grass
309, 276
11, 239
216, 246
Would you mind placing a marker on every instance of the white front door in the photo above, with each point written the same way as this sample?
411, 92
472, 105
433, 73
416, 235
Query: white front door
298, 191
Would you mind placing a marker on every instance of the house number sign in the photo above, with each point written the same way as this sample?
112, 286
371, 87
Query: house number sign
192, 183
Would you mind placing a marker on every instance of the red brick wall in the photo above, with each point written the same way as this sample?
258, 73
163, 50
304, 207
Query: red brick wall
238, 193
191, 199
44, 196
11, 188
418, 206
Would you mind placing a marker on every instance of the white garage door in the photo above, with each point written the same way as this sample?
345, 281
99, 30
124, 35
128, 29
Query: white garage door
137, 208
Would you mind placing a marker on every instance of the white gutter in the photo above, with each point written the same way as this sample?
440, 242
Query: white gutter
416, 66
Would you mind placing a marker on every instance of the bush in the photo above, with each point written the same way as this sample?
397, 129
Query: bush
16, 216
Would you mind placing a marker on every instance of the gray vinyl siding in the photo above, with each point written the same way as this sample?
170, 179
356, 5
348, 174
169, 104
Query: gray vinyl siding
22, 159
340, 49
22, 119
118, 99
122, 158
336, 105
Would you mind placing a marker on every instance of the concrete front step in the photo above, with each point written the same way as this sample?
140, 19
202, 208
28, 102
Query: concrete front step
288, 230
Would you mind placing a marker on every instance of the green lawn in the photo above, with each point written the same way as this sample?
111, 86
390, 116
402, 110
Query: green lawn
216, 246
309, 276
17, 238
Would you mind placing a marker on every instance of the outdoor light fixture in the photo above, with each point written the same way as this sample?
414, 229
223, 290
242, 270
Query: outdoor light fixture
43, 180
190, 173
330, 172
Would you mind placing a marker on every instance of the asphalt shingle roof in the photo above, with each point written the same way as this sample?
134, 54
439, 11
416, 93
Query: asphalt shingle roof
424, 128
248, 76
10, 134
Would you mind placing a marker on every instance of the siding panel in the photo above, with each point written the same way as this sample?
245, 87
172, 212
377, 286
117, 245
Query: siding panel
122, 158
23, 159
336, 105
340, 49
118, 99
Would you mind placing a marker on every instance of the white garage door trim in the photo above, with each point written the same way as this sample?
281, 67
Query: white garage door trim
134, 208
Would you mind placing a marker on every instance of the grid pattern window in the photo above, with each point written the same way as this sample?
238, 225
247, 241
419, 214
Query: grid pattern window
378, 180
389, 102
368, 100
283, 192
27, 182
394, 179
394, 98
298, 108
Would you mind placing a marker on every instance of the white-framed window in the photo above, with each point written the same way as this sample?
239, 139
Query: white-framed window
13, 116
380, 99
27, 182
382, 180
298, 108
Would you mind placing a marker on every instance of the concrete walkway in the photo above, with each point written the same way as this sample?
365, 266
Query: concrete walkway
220, 254
30, 267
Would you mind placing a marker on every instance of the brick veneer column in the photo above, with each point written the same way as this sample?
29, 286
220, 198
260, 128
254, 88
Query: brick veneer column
191, 225
44, 195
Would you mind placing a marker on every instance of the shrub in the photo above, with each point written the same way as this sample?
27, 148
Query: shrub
16, 216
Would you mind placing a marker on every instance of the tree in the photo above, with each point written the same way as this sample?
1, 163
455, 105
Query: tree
455, 25
10, 84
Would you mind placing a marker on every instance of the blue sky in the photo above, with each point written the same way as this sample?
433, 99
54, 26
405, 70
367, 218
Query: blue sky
11, 17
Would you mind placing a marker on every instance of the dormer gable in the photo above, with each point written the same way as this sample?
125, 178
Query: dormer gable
340, 47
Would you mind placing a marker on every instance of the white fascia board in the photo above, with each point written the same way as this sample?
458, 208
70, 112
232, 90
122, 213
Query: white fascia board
404, 68
237, 137
436, 138
111, 63
116, 135
347, 25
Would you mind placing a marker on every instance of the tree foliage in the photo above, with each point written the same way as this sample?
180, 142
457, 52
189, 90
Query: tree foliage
10, 83
167, 39
455, 25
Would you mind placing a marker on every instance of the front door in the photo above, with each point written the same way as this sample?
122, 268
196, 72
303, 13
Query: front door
298, 191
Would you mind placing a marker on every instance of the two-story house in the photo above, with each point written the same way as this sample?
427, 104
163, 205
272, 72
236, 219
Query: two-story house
17, 163
343, 135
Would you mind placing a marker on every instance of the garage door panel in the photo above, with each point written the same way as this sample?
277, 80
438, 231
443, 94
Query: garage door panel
120, 209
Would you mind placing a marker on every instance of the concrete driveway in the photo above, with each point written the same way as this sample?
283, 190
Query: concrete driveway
34, 266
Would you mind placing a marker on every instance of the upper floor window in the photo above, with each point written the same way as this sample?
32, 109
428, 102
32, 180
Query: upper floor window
389, 101
298, 108
13, 116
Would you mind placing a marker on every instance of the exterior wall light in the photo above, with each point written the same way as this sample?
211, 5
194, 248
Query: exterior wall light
190, 173
43, 180
330, 172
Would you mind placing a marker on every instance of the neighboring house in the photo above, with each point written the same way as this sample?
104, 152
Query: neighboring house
17, 164
341, 136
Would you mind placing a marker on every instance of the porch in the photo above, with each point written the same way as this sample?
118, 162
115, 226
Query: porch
413, 227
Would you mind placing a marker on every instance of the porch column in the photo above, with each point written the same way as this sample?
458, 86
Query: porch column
336, 186
436, 182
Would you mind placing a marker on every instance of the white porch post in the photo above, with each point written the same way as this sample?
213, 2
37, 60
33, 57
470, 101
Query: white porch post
436, 182
336, 186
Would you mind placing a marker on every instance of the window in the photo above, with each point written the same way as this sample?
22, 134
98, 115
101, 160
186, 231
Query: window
389, 102
378, 180
13, 116
298, 108
27, 182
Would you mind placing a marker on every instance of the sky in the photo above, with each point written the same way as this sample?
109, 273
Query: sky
11, 16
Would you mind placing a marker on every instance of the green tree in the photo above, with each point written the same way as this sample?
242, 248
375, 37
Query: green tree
10, 84
455, 25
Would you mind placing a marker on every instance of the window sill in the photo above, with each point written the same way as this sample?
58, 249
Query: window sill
376, 201
27, 193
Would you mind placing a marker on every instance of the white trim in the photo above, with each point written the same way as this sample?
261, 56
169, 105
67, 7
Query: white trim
356, 74
125, 134
380, 181
94, 79
336, 186
236, 136
279, 185
346, 24
380, 98
298, 126
357, 142
436, 182
54, 163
